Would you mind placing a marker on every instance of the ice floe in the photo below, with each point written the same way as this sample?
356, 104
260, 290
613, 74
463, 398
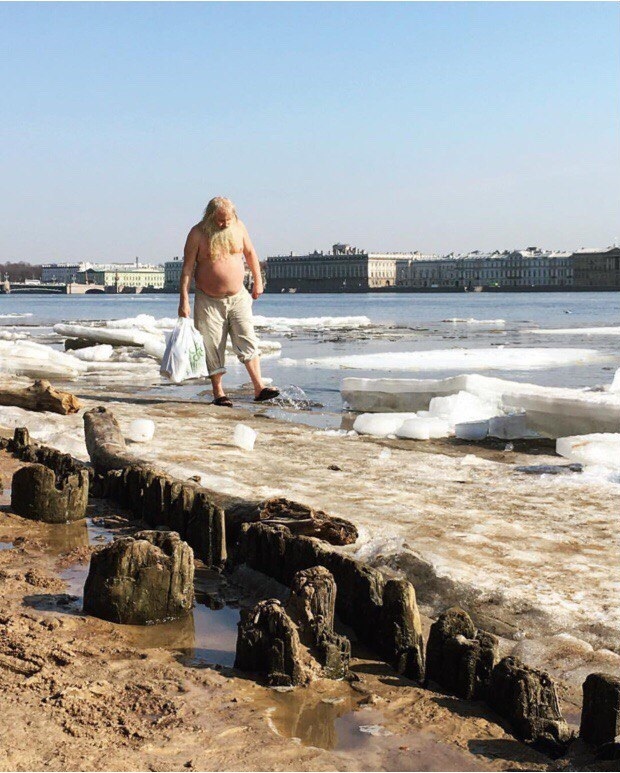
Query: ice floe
423, 428
380, 424
142, 331
551, 411
486, 358
444, 417
288, 324
9, 335
63, 432
462, 407
116, 336
97, 353
28, 358
599, 448
35, 360
474, 321
588, 331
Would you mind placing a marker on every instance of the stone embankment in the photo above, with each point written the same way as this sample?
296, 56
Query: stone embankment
289, 645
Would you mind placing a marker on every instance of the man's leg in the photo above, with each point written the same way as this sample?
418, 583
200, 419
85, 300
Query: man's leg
253, 368
216, 385
210, 321
245, 341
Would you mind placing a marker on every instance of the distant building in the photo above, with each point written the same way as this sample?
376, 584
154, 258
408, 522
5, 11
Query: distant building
62, 272
172, 275
131, 275
515, 269
344, 269
123, 278
597, 268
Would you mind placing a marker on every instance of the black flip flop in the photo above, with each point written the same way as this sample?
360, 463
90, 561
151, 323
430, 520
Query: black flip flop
267, 393
223, 401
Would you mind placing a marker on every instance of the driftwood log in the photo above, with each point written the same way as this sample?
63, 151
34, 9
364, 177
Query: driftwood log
40, 396
108, 451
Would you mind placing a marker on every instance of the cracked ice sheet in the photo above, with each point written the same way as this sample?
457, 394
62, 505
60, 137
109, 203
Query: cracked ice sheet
537, 551
495, 357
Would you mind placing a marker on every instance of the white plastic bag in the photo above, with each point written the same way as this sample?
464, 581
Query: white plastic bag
184, 356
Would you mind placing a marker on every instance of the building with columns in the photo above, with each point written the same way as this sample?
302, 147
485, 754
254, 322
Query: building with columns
345, 269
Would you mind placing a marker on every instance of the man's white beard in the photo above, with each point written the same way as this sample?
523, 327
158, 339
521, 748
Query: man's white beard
224, 242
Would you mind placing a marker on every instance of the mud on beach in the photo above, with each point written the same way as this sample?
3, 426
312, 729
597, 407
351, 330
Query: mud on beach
79, 693
76, 693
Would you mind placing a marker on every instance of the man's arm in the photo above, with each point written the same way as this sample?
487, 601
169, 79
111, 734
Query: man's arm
251, 259
190, 254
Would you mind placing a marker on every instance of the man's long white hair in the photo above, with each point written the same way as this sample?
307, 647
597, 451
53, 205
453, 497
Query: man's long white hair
222, 241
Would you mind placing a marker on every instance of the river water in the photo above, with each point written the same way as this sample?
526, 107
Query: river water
326, 337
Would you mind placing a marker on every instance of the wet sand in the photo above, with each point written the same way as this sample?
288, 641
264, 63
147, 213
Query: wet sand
78, 693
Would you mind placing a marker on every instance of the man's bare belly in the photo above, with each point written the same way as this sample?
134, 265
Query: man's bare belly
222, 277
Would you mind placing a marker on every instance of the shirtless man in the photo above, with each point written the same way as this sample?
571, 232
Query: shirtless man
214, 253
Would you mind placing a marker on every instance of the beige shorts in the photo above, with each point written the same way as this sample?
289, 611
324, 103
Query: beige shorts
216, 318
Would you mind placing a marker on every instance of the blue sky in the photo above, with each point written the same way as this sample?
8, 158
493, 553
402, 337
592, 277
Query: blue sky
431, 126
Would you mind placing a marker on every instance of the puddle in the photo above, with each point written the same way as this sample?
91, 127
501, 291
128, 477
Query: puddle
311, 716
333, 720
206, 637
6, 545
62, 538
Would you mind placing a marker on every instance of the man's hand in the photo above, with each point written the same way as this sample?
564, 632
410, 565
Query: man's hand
257, 290
184, 308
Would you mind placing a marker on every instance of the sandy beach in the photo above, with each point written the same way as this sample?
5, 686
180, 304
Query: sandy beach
79, 693
126, 698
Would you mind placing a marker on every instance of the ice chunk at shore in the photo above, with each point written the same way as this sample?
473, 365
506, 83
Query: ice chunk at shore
615, 384
594, 449
244, 437
551, 411
472, 430
148, 333
505, 427
34, 360
462, 407
510, 427
8, 335
424, 428
141, 430
380, 424
97, 353
107, 335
